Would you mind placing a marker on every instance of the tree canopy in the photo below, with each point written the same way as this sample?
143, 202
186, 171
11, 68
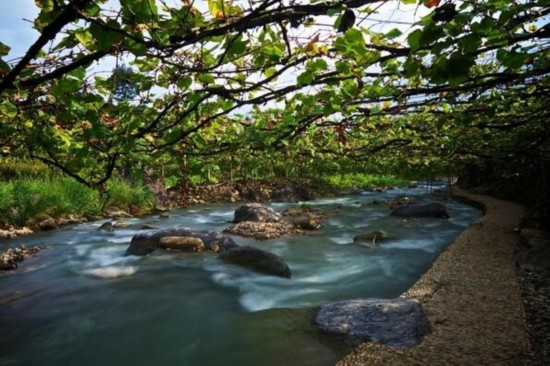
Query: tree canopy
306, 79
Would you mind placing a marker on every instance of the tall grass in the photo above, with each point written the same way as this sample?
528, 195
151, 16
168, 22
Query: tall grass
365, 181
23, 200
134, 198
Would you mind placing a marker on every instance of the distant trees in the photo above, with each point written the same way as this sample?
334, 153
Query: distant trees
124, 87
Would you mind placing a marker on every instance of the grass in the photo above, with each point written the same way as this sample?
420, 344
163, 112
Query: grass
364, 181
23, 200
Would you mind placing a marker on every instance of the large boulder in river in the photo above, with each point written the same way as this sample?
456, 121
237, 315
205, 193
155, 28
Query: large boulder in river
396, 322
257, 260
145, 243
256, 212
435, 210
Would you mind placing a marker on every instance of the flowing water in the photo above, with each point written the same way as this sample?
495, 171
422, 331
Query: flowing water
81, 302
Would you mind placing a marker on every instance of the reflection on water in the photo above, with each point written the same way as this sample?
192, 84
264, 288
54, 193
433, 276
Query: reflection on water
82, 302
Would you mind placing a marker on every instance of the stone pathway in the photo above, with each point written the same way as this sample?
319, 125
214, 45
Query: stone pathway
471, 297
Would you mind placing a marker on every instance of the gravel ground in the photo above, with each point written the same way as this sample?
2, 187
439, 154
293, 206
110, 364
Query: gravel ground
535, 288
472, 298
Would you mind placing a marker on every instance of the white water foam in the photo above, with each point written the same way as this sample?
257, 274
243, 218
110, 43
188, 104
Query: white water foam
111, 272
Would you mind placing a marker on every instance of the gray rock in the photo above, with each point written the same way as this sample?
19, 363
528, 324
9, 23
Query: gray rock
292, 194
396, 322
257, 213
145, 243
306, 223
371, 237
435, 210
115, 213
107, 226
285, 194
257, 260
48, 224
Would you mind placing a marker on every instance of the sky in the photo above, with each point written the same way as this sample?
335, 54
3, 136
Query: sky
14, 30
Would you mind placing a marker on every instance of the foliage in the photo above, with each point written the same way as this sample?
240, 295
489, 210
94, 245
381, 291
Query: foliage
230, 88
365, 181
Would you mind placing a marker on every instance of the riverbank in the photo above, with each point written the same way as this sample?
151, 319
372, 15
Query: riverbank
471, 297
41, 212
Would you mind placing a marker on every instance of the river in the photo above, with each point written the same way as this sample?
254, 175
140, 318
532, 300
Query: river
81, 302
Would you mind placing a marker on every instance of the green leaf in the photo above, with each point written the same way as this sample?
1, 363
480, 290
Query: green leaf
4, 67
65, 86
8, 109
206, 78
184, 83
343, 67
4, 50
414, 39
470, 43
86, 38
270, 71
237, 48
317, 65
105, 38
305, 78
350, 88
273, 51
134, 47
394, 33
144, 10
408, 1
45, 5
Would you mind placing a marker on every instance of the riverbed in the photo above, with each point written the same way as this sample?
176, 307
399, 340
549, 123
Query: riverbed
81, 301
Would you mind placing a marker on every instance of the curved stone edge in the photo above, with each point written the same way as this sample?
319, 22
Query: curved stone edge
471, 296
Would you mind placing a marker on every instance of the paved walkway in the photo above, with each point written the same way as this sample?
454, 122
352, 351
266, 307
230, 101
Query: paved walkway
471, 297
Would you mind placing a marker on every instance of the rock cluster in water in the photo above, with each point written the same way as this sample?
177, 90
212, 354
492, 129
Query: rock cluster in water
10, 257
187, 240
260, 222
396, 322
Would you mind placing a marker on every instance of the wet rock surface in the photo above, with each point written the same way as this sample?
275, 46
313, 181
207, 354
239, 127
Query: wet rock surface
396, 322
10, 258
371, 238
11, 232
256, 212
299, 221
262, 230
143, 244
257, 260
